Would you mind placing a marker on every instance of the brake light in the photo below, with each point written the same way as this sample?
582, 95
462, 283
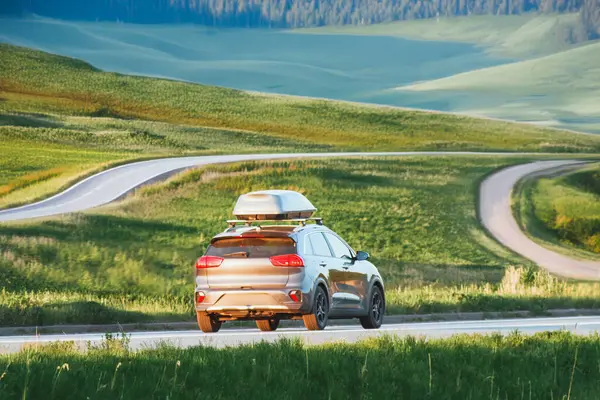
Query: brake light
208, 262
287, 260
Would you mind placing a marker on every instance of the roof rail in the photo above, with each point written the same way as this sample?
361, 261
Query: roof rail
301, 221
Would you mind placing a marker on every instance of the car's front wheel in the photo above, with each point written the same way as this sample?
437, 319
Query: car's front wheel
317, 319
267, 325
208, 323
376, 309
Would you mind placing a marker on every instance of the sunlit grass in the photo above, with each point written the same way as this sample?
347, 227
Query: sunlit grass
564, 210
544, 366
43, 153
33, 81
133, 261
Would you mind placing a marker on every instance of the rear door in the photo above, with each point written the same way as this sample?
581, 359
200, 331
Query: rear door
246, 262
325, 259
352, 281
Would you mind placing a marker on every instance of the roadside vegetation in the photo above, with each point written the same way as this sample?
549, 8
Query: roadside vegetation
564, 210
133, 261
544, 366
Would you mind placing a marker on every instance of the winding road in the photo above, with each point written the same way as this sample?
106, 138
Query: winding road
494, 202
494, 211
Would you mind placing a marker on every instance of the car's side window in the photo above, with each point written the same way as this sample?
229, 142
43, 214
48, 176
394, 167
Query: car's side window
340, 250
308, 248
319, 245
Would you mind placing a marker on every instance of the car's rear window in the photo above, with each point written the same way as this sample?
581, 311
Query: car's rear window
254, 247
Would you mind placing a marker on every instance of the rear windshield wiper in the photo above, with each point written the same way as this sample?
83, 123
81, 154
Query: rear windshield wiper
237, 254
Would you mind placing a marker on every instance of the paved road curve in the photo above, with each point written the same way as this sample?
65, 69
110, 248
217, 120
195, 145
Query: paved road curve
353, 333
112, 184
496, 215
495, 211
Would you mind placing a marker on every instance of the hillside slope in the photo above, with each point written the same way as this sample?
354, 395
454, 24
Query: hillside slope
560, 88
519, 36
40, 82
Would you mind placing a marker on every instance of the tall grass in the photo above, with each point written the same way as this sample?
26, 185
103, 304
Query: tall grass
544, 366
133, 261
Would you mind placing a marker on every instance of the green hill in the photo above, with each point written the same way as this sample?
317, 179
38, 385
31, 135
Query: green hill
91, 119
560, 88
33, 81
520, 36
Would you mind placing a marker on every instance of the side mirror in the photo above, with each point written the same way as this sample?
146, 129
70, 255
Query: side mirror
362, 256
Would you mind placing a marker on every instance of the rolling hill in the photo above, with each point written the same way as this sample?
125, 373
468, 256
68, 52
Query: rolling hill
560, 89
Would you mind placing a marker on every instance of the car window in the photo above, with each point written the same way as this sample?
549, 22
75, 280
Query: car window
263, 247
340, 250
308, 249
319, 245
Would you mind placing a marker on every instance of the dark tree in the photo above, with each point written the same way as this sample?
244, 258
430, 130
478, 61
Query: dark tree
294, 13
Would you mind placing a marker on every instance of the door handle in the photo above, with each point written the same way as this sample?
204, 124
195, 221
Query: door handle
323, 264
346, 266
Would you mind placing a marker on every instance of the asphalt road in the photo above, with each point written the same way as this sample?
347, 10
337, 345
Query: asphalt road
349, 333
114, 183
496, 216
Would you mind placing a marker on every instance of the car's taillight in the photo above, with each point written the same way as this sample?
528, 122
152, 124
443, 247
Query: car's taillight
208, 262
287, 260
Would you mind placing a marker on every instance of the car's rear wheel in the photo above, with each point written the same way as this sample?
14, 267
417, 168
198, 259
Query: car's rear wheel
317, 319
208, 323
267, 325
374, 318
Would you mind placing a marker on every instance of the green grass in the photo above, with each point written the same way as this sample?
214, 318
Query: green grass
522, 35
564, 211
46, 152
33, 81
133, 261
544, 366
61, 120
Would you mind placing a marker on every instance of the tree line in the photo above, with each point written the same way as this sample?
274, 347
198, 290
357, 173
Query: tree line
295, 13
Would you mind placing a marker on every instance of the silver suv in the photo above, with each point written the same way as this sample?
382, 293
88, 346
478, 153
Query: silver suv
269, 273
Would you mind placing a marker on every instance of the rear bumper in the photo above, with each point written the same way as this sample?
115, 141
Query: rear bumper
249, 304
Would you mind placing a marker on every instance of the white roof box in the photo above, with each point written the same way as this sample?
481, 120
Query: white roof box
273, 205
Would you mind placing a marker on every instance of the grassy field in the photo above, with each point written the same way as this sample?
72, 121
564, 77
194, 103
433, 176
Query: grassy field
80, 119
32, 81
133, 261
46, 152
544, 366
564, 211
524, 35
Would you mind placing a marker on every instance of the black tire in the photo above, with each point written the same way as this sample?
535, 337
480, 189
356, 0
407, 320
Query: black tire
376, 310
267, 325
208, 324
317, 319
